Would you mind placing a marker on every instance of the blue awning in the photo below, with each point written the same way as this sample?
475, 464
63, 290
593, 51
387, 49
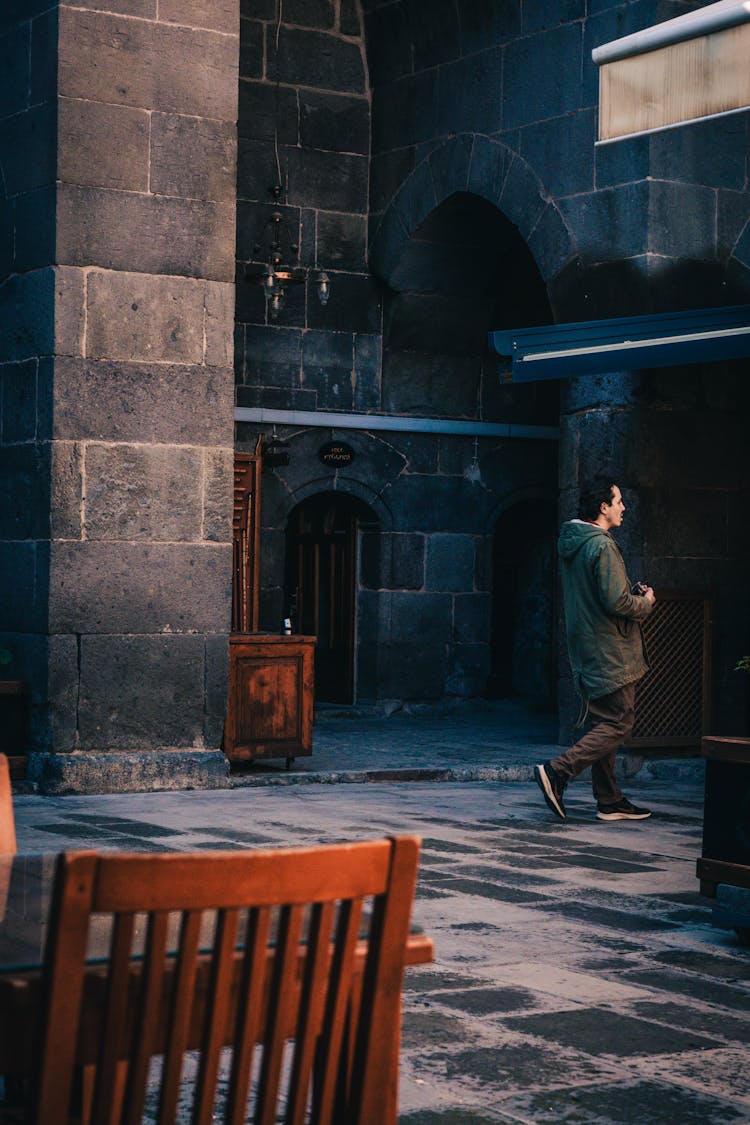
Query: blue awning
558, 351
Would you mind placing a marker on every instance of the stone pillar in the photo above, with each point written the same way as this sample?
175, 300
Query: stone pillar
135, 402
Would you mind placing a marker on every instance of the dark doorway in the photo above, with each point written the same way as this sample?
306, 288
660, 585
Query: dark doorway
320, 586
523, 615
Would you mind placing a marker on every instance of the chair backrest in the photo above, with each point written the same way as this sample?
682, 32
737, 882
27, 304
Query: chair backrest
282, 1006
7, 820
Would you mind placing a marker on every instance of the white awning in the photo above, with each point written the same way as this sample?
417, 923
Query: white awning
688, 69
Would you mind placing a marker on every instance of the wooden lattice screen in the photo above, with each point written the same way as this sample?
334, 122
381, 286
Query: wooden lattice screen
246, 540
673, 701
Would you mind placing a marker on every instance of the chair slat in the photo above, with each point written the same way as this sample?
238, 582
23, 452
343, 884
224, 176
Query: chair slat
179, 1016
144, 1031
311, 1010
106, 1107
375, 1070
279, 1012
7, 818
248, 1013
63, 984
324, 1090
217, 1015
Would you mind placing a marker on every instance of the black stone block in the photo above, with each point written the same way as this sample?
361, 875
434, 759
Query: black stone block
405, 112
421, 618
449, 165
24, 491
694, 236
18, 394
27, 315
431, 385
273, 356
490, 162
332, 181
251, 49
367, 370
431, 503
15, 52
327, 361
275, 398
710, 153
310, 13
407, 561
450, 563
23, 587
349, 18
561, 152
550, 244
373, 547
438, 40
468, 91
342, 241
35, 229
472, 618
609, 224
354, 305
539, 15
312, 58
403, 677
434, 322
535, 84
388, 39
44, 55
731, 219
263, 108
387, 173
624, 162
332, 121
485, 23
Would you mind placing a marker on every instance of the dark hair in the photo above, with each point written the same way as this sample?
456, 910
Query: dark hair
592, 494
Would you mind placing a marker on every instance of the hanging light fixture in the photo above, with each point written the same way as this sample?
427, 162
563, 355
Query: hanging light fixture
271, 272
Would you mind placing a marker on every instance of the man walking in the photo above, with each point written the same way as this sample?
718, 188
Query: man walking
605, 645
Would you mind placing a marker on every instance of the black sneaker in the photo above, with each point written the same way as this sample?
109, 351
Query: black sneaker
553, 787
622, 810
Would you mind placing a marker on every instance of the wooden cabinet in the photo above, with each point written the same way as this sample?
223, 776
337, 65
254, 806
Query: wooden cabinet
726, 814
271, 695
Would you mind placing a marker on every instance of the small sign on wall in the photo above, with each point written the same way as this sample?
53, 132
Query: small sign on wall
336, 454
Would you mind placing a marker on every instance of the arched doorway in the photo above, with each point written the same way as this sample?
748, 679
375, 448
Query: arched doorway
523, 604
321, 586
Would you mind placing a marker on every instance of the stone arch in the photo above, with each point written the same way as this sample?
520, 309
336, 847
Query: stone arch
738, 264
348, 486
474, 163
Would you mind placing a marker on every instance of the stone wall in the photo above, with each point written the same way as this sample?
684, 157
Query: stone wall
135, 529
307, 104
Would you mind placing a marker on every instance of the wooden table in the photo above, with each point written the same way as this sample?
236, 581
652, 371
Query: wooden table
25, 892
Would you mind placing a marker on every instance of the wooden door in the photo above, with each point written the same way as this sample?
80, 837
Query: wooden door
321, 553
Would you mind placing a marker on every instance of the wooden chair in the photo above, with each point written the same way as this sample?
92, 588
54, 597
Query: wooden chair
7, 820
286, 967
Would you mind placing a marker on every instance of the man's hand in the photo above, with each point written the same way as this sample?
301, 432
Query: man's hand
649, 595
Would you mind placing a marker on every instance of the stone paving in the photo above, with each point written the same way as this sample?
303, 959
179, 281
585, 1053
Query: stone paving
577, 975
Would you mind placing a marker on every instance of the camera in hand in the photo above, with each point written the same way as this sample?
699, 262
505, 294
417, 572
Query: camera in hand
639, 588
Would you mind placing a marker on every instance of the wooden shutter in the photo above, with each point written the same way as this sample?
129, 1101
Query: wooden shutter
246, 540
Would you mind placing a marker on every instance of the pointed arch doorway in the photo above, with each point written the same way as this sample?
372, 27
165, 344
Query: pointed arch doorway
321, 586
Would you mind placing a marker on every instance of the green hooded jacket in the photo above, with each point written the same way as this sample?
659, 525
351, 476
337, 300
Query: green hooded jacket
602, 617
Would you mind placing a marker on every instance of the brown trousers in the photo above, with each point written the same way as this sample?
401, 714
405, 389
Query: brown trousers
612, 718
